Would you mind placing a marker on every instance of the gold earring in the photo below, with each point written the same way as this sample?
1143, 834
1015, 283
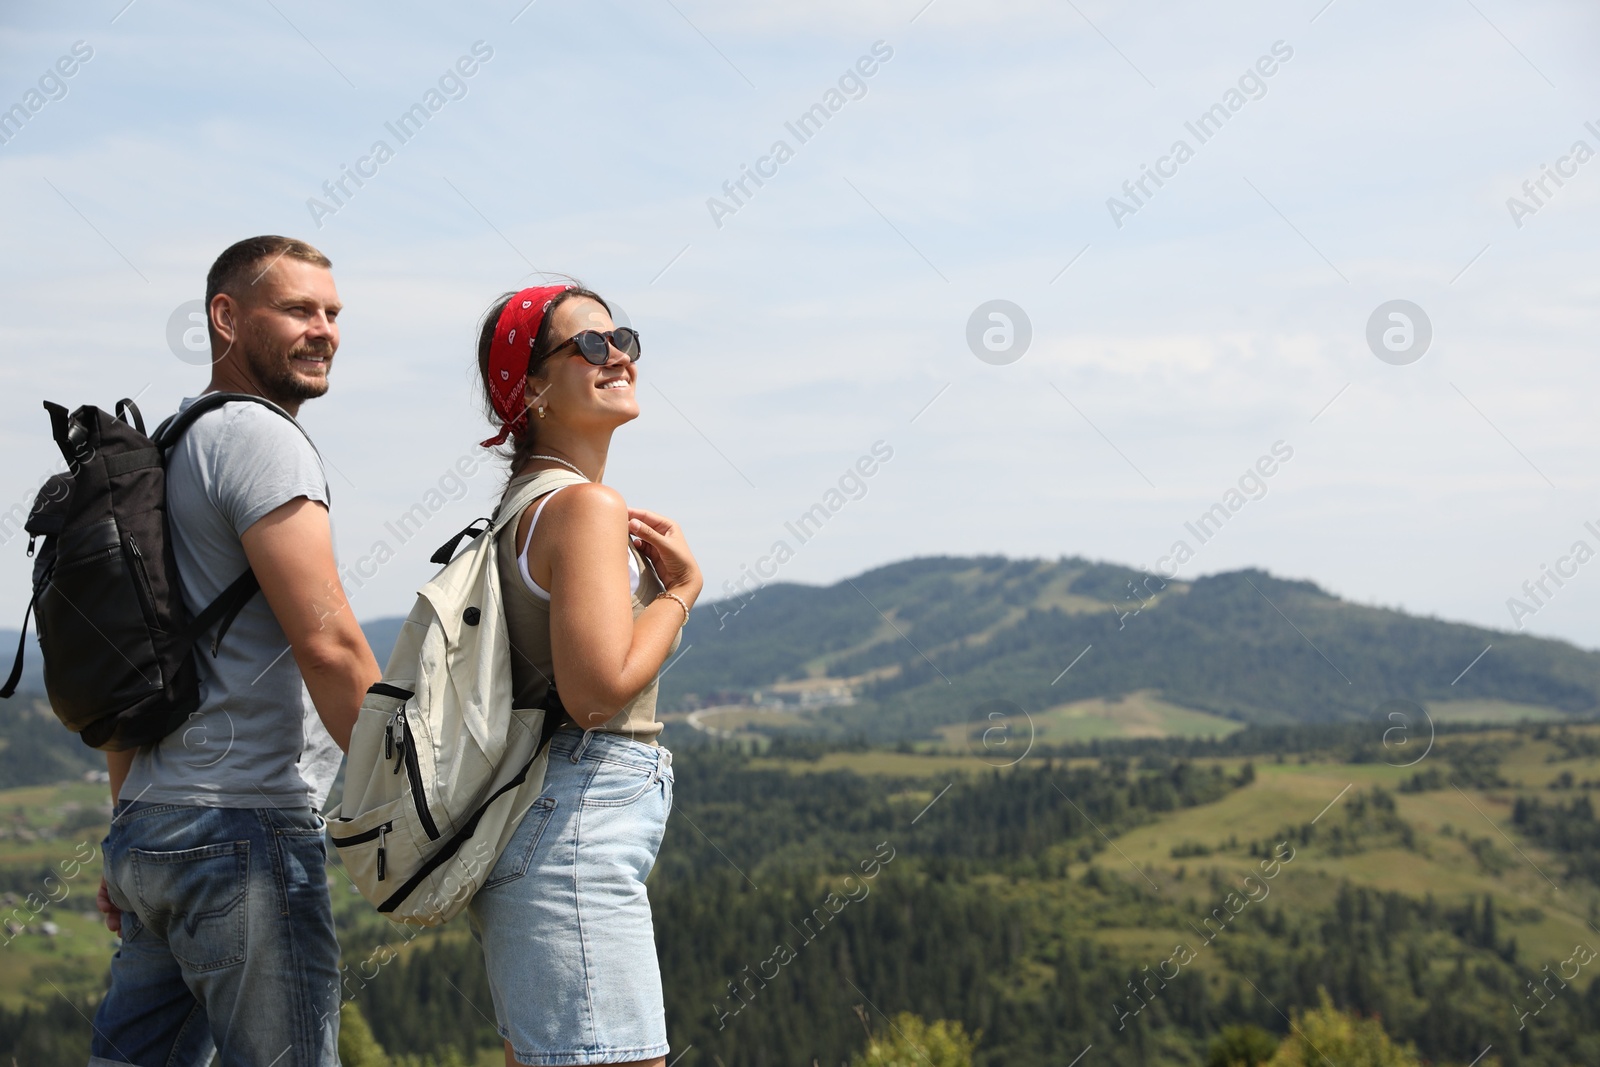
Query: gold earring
541, 412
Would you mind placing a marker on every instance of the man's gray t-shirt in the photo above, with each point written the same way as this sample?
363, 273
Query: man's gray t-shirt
256, 740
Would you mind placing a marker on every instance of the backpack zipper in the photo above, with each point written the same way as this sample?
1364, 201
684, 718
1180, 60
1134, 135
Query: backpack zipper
147, 597
394, 736
379, 832
408, 752
363, 837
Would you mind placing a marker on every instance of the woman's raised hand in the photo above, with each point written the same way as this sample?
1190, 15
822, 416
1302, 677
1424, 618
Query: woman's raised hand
662, 542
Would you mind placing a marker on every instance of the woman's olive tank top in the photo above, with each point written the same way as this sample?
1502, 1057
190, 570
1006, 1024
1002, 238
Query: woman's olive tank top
528, 625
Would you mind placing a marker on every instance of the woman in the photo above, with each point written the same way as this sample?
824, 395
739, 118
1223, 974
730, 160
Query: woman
596, 595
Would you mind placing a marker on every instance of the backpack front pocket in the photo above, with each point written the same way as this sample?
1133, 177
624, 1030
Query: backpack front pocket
93, 605
378, 845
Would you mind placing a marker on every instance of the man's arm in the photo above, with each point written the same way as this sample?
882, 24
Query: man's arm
291, 551
117, 764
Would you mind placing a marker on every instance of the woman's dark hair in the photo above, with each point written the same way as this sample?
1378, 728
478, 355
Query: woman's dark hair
523, 442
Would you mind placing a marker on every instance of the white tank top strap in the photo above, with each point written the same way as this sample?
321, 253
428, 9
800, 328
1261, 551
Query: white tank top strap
522, 557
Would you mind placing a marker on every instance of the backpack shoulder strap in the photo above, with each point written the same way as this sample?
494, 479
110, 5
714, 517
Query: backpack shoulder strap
509, 510
221, 612
511, 507
15, 677
171, 429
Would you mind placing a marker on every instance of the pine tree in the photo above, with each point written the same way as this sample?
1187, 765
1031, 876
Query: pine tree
909, 1041
357, 1046
1328, 1035
1242, 1046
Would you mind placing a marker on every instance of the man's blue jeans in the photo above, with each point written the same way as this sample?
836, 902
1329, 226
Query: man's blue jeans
227, 940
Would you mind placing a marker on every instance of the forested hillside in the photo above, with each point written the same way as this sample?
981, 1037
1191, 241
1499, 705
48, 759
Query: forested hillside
924, 642
1155, 900
1122, 903
1173, 901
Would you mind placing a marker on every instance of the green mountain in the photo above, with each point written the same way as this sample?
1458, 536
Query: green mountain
925, 642
35, 749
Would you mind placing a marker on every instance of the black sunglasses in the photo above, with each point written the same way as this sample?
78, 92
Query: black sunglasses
595, 345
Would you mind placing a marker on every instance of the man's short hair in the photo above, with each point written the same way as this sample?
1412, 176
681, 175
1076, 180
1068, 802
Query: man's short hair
243, 263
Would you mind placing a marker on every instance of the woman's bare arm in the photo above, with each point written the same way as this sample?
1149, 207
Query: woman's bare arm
603, 656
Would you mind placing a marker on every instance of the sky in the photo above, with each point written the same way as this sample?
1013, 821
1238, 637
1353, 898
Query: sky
1163, 342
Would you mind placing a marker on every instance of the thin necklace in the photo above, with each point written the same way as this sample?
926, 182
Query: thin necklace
564, 463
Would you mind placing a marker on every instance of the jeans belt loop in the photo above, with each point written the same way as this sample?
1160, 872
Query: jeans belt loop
577, 753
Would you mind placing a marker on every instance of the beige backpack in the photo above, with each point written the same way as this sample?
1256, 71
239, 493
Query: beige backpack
441, 767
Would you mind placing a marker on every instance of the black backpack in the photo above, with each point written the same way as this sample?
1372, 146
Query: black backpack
116, 637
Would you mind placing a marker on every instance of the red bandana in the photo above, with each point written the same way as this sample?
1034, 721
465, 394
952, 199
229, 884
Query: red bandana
510, 352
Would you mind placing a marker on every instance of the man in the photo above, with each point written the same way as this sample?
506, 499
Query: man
215, 871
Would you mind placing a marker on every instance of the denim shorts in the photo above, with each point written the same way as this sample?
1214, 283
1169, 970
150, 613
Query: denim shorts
563, 917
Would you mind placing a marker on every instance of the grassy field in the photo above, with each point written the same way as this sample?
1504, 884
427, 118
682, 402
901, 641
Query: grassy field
880, 762
34, 967
1491, 711
1056, 593
1465, 842
735, 719
1546, 913
1141, 714
52, 941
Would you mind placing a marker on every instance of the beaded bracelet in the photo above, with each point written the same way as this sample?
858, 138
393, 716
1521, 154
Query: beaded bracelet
681, 604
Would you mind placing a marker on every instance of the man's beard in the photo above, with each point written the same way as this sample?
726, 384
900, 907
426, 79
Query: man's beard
276, 374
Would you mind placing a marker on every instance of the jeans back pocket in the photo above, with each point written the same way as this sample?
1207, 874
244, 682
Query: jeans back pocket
195, 900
